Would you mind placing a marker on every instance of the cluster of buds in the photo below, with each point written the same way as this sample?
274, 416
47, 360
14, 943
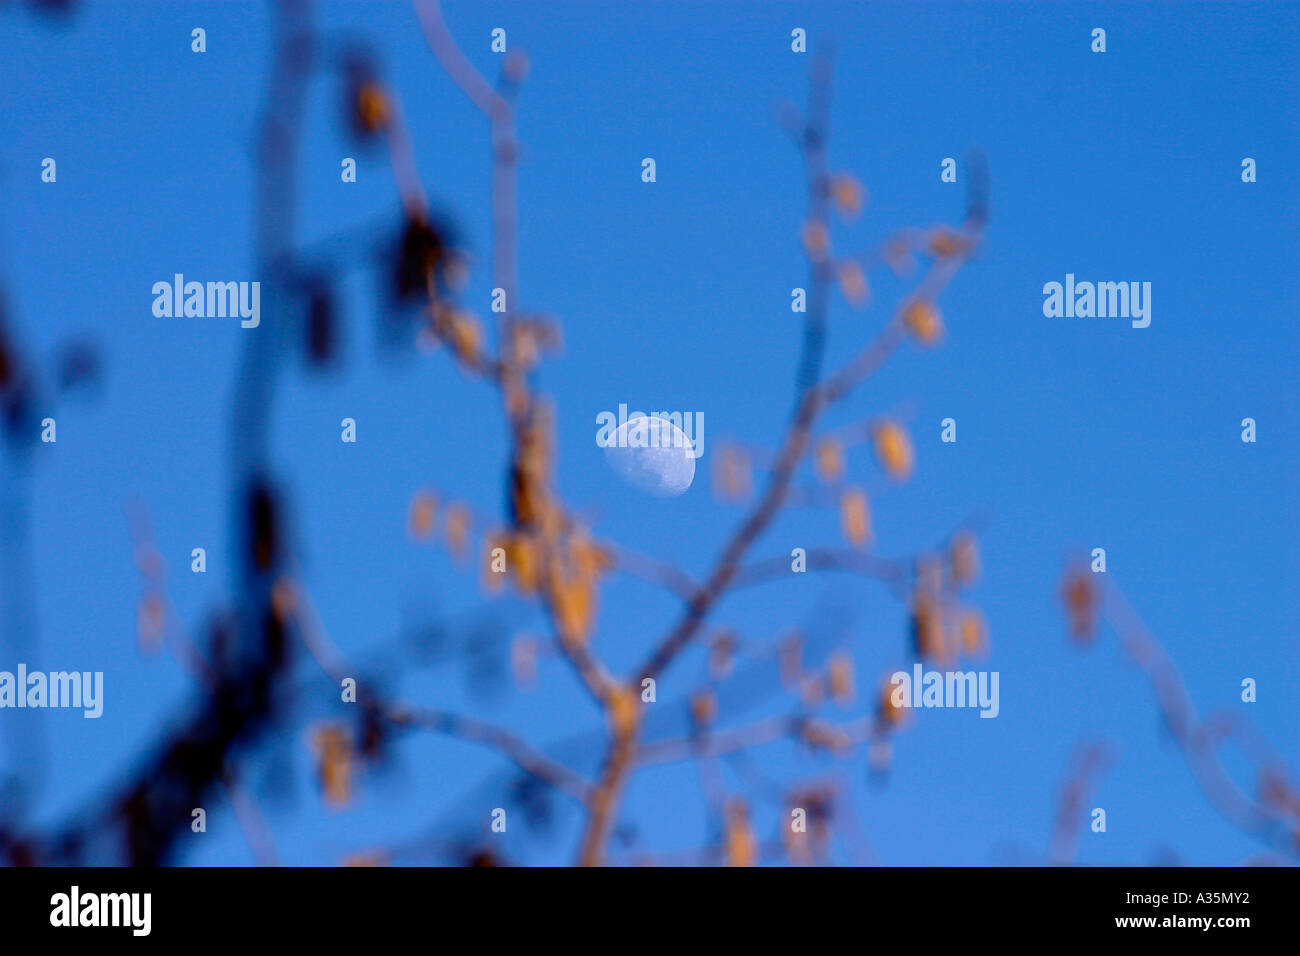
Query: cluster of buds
942, 629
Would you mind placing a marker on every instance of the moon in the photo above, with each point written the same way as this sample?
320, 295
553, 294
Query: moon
652, 454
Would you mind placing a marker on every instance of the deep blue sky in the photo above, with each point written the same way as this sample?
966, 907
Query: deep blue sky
1073, 433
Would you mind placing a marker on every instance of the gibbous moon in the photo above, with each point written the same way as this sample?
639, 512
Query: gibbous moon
652, 454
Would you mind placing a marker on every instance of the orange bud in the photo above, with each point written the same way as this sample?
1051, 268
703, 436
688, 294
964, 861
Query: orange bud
152, 614
922, 319
704, 708
284, 598
972, 632
731, 474
457, 531
944, 242
334, 763
894, 449
1079, 593
816, 240
927, 627
889, 713
848, 195
741, 848
423, 508
853, 282
855, 517
372, 107
466, 336
828, 460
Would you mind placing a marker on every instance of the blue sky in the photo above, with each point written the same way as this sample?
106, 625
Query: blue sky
1073, 433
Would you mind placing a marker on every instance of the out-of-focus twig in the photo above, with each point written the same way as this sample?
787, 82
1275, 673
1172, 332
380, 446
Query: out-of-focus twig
1274, 817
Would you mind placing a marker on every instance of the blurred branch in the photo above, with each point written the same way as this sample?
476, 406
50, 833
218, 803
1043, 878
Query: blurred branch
1086, 763
1275, 816
403, 714
505, 742
891, 572
251, 822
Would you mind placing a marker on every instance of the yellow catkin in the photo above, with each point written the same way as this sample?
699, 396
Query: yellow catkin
731, 474
853, 282
816, 240
922, 319
334, 763
945, 242
1079, 593
424, 507
284, 599
927, 627
704, 708
372, 107
841, 677
457, 530
973, 634
889, 713
848, 195
828, 460
856, 517
151, 617
466, 337
741, 846
894, 449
